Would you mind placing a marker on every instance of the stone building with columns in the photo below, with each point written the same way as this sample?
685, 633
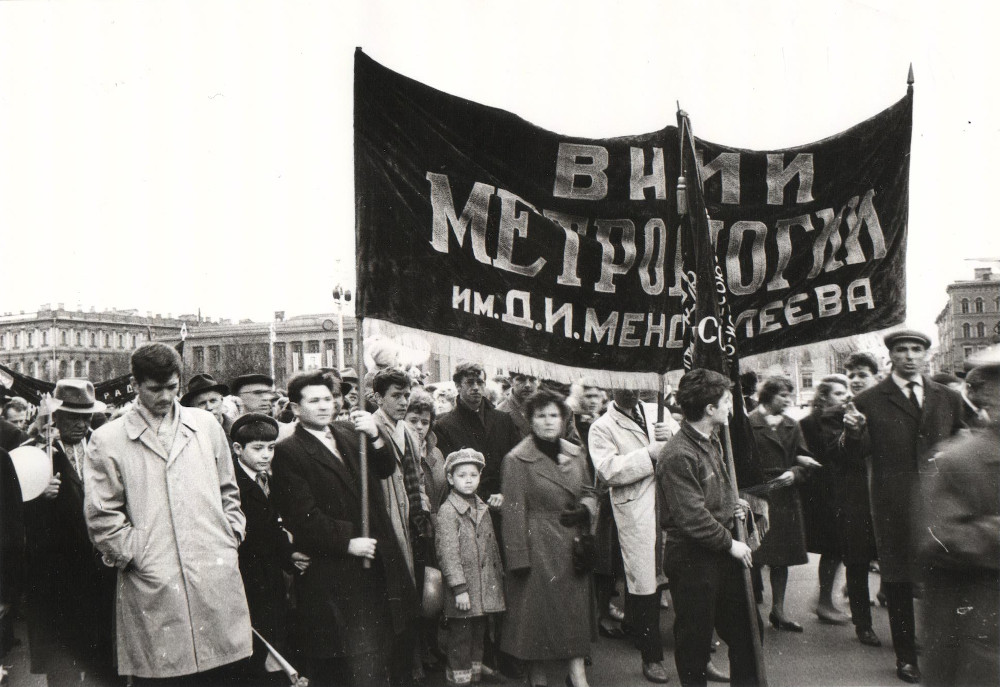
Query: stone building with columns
56, 342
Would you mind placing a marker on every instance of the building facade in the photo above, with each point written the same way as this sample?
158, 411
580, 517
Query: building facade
969, 322
53, 343
306, 342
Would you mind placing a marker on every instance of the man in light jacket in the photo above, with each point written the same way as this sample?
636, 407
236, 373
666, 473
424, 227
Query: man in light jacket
623, 447
162, 505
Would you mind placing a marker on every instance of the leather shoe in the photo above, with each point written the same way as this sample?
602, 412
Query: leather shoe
779, 623
907, 672
867, 636
714, 674
655, 672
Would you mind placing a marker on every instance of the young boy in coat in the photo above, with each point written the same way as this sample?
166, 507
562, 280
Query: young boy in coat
266, 552
470, 564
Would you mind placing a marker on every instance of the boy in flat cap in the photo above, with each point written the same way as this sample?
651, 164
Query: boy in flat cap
470, 564
898, 424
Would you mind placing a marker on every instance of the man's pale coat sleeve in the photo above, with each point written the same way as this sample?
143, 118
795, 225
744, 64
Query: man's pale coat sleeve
104, 505
228, 486
616, 469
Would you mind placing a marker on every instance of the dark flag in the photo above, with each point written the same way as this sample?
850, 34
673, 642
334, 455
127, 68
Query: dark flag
710, 339
709, 332
28, 388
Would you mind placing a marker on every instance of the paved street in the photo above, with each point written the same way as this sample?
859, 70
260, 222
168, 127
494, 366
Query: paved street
822, 655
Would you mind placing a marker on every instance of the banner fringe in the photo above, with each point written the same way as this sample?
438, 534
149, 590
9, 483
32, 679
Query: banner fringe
488, 356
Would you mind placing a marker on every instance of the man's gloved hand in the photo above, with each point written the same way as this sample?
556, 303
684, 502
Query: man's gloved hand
575, 515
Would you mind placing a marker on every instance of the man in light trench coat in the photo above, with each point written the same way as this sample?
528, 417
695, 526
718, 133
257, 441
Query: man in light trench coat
624, 455
163, 507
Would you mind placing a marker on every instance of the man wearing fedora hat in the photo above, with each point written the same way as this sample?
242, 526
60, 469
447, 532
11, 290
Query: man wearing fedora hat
254, 393
898, 424
205, 393
70, 594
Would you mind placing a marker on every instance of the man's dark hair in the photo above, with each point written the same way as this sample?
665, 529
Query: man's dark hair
155, 361
255, 431
390, 376
542, 398
699, 388
861, 359
772, 387
304, 379
421, 402
468, 370
748, 380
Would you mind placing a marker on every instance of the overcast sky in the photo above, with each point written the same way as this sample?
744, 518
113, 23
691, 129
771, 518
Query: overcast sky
171, 156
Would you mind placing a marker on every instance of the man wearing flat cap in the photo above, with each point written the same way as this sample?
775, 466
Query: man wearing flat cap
70, 594
254, 393
898, 423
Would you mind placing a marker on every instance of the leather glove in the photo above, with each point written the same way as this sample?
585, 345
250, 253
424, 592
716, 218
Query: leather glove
421, 522
575, 515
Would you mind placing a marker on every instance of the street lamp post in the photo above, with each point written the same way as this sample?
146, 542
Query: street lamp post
340, 295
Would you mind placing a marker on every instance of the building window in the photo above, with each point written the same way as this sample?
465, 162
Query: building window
45, 338
107, 341
31, 340
199, 357
979, 304
981, 329
968, 351
78, 368
967, 331
996, 303
3, 341
63, 337
79, 338
93, 340
17, 340
214, 354
807, 380
348, 349
135, 341
313, 347
965, 306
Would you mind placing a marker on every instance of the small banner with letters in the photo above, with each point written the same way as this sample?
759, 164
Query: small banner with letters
482, 236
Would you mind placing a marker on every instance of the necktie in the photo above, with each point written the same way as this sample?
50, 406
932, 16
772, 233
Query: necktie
639, 419
913, 395
262, 481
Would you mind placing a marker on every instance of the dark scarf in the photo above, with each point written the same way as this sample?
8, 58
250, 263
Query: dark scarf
549, 448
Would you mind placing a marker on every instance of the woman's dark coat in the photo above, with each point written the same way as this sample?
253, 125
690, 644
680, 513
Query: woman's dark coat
785, 541
550, 609
835, 497
342, 608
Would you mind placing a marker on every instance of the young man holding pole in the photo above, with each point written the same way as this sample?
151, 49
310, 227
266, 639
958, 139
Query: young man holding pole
698, 511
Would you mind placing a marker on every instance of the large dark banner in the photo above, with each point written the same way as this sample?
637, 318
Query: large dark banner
477, 228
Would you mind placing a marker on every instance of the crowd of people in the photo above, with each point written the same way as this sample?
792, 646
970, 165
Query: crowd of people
370, 531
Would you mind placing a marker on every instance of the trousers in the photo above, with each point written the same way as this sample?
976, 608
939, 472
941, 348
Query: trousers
707, 591
465, 649
642, 616
902, 625
858, 594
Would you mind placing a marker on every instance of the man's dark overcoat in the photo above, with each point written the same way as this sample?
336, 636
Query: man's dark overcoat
343, 609
264, 553
70, 593
491, 432
900, 441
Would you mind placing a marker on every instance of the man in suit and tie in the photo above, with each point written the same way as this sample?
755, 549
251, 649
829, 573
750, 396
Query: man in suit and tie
898, 423
70, 593
266, 550
351, 617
